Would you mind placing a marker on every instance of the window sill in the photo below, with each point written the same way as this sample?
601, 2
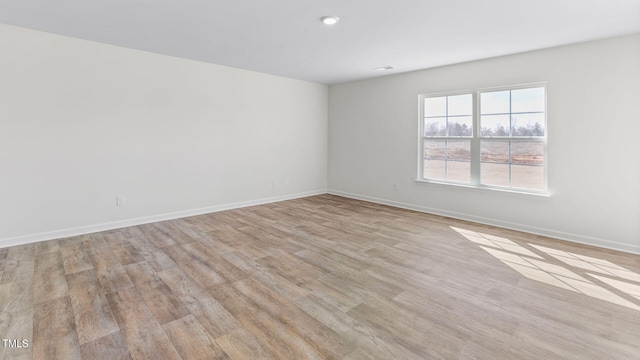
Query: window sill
484, 188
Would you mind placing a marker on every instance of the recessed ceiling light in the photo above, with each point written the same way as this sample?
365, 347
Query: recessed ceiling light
384, 68
330, 20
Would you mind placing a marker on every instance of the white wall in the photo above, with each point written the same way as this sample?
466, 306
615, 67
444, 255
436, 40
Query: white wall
593, 94
82, 122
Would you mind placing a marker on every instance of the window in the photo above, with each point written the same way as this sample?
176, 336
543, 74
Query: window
492, 138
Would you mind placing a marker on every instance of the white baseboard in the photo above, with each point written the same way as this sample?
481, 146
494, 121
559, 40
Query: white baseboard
576, 238
82, 230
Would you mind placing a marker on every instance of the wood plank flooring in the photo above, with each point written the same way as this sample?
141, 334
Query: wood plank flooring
322, 277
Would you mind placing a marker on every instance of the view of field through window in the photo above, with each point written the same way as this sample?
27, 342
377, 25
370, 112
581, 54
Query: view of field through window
511, 135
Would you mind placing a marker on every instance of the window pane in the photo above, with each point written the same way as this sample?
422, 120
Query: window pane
495, 151
527, 153
459, 171
527, 124
494, 174
435, 126
494, 125
460, 126
495, 102
527, 177
434, 169
460, 105
459, 150
434, 150
527, 100
436, 106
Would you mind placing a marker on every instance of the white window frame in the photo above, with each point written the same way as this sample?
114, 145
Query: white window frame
476, 138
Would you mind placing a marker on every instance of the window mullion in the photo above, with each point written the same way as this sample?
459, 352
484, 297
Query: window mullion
510, 164
475, 140
446, 142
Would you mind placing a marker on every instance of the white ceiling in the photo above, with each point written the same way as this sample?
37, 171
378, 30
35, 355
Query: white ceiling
286, 37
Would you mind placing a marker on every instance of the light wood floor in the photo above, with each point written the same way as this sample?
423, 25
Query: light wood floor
322, 277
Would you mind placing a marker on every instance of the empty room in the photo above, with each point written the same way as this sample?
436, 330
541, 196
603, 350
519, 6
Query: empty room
302, 179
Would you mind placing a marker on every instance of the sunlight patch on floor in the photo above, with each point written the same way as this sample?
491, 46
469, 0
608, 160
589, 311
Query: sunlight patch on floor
590, 263
495, 241
631, 289
536, 267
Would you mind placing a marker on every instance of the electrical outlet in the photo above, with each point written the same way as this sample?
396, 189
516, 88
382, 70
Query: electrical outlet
120, 201
396, 187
